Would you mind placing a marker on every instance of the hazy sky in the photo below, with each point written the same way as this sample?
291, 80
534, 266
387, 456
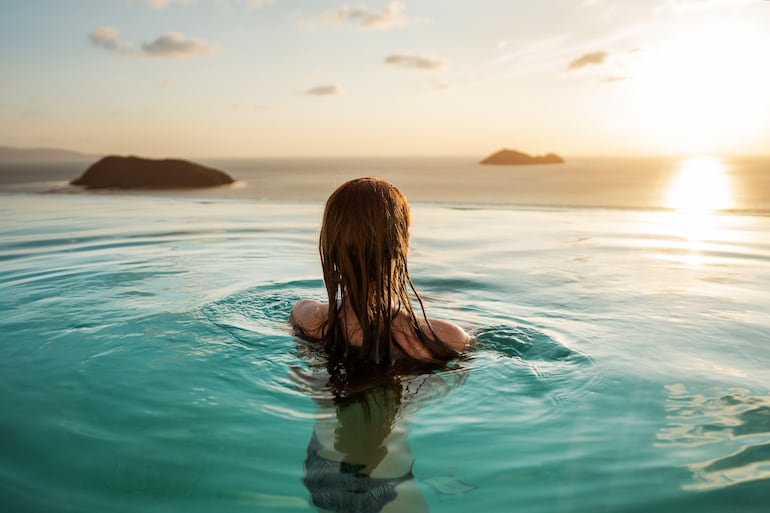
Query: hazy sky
215, 78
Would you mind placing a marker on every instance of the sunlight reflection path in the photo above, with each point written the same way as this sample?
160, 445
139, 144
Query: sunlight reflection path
700, 188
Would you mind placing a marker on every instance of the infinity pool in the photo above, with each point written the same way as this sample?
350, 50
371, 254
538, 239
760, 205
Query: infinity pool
620, 363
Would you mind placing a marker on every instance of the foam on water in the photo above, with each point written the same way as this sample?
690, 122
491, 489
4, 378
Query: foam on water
148, 364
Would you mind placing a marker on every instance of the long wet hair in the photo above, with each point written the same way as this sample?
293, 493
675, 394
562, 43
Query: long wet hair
363, 246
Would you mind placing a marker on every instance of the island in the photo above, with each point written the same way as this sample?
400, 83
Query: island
115, 172
506, 157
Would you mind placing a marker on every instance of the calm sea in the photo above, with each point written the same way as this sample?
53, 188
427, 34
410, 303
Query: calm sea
620, 363
741, 184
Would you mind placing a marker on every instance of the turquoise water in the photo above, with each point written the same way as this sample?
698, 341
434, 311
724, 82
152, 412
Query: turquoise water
620, 364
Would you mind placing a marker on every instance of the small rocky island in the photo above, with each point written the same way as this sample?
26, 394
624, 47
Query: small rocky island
139, 173
506, 157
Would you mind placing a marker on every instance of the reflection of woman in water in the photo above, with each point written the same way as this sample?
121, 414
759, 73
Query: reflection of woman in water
359, 461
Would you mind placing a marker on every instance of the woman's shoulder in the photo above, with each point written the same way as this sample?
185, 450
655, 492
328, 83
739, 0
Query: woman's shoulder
308, 316
446, 332
449, 333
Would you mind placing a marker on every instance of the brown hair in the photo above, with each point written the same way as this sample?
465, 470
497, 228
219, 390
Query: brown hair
363, 246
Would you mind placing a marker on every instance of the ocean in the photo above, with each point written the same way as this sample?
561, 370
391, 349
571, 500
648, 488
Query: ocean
618, 307
736, 184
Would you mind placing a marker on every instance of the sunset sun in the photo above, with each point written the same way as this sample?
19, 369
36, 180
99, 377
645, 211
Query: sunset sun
700, 186
703, 89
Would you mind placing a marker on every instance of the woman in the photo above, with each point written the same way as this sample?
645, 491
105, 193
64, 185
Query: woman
368, 321
358, 459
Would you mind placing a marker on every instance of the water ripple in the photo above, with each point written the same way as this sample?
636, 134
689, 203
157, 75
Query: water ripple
525, 362
736, 421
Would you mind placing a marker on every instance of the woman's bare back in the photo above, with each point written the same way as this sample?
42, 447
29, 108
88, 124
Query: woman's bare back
308, 316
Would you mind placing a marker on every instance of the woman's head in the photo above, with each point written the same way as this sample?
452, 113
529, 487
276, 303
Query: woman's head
364, 236
363, 246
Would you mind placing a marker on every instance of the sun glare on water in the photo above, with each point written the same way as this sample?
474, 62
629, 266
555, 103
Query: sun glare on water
700, 188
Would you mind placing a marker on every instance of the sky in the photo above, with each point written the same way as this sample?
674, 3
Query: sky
296, 78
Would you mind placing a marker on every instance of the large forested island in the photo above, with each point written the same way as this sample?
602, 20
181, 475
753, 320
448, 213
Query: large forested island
139, 173
506, 157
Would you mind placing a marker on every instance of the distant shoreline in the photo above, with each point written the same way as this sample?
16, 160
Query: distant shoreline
45, 155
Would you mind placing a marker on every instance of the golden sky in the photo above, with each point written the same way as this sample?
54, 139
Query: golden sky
251, 78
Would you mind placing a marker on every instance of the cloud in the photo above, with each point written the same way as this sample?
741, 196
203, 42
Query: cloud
107, 38
162, 4
589, 59
683, 5
240, 107
175, 46
157, 4
248, 4
170, 45
391, 16
439, 84
324, 90
411, 60
693, 5
256, 4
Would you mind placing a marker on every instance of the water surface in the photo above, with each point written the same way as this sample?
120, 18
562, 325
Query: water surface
620, 361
